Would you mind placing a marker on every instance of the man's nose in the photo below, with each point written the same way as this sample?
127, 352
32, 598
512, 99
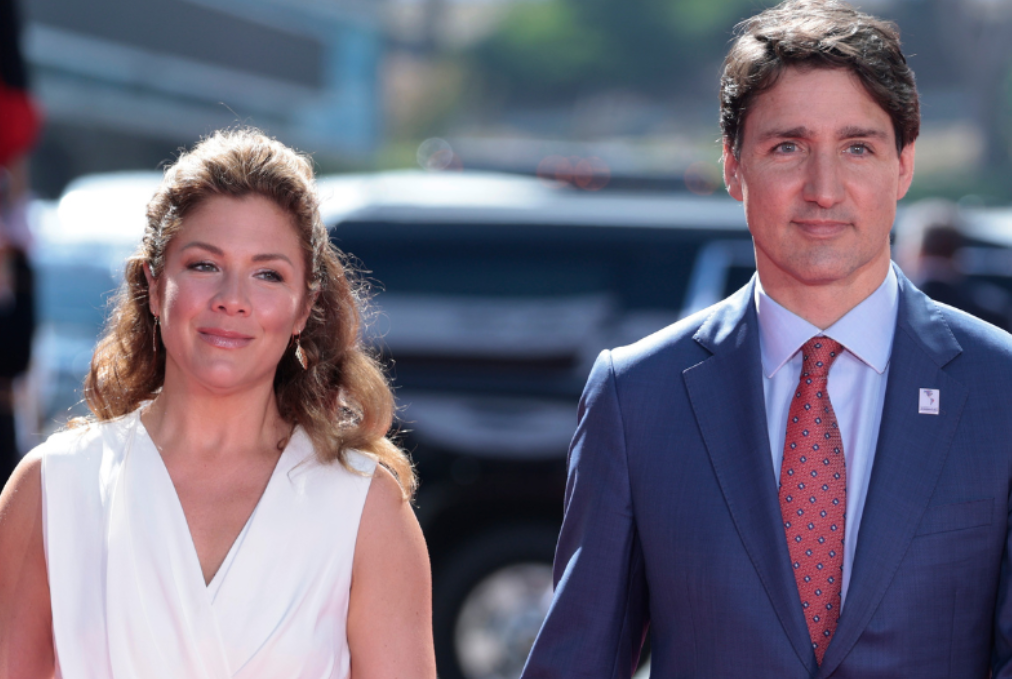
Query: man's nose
823, 180
231, 297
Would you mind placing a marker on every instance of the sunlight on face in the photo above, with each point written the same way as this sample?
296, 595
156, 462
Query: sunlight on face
231, 294
820, 175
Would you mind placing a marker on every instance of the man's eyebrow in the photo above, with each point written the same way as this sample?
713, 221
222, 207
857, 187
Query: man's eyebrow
798, 132
802, 132
854, 131
265, 257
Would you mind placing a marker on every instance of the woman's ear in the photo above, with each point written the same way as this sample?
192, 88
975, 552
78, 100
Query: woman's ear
154, 294
300, 322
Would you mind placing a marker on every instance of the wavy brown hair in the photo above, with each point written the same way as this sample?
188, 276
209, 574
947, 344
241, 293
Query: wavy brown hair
343, 400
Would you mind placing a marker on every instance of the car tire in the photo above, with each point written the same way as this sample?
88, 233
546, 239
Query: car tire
490, 597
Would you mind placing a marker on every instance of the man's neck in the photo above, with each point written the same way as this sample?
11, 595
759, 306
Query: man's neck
822, 305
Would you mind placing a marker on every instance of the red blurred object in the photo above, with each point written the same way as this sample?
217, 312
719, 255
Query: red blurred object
20, 122
589, 174
701, 178
592, 174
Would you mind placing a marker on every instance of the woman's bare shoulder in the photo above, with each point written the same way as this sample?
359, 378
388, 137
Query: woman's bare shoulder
22, 494
390, 612
21, 512
27, 644
385, 494
389, 532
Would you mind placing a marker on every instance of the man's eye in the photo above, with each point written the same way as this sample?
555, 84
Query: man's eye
858, 149
786, 147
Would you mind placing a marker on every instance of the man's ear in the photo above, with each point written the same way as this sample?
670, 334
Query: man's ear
154, 294
906, 170
732, 170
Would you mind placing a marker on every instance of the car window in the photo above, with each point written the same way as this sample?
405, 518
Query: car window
524, 304
645, 268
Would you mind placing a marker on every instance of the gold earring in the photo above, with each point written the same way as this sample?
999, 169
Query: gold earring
154, 336
300, 355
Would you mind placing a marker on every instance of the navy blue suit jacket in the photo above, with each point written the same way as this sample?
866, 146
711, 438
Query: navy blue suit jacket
673, 522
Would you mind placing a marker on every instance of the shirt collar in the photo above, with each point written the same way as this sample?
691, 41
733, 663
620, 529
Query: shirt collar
866, 331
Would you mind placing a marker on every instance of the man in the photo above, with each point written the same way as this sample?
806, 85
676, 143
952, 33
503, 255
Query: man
811, 478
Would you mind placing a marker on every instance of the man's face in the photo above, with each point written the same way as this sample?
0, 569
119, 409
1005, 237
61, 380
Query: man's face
820, 176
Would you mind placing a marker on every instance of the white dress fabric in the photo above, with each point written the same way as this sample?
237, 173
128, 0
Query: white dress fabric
128, 597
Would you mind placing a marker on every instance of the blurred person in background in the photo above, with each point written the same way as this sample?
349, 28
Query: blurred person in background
233, 507
811, 478
930, 237
19, 128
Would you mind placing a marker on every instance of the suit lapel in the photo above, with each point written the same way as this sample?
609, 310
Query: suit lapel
726, 393
911, 451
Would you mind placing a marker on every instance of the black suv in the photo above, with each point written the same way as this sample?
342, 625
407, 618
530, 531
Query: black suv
495, 295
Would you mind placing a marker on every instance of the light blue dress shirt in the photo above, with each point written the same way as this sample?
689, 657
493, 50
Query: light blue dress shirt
857, 385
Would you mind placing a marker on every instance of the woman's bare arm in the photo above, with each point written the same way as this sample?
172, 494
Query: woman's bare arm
26, 623
390, 614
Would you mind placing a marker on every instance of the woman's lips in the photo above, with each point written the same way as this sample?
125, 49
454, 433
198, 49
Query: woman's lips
224, 339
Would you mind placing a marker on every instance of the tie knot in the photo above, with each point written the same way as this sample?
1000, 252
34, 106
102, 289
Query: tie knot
818, 354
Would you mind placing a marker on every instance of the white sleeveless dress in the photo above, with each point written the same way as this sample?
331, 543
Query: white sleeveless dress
129, 599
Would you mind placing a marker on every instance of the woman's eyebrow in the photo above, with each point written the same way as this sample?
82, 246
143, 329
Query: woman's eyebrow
203, 246
271, 256
214, 250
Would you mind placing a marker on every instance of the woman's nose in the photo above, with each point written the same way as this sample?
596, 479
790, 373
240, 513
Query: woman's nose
231, 297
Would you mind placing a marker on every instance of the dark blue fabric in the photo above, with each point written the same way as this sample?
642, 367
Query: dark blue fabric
672, 519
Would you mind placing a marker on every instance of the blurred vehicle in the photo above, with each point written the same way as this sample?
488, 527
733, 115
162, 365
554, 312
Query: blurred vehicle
82, 242
986, 258
958, 256
495, 295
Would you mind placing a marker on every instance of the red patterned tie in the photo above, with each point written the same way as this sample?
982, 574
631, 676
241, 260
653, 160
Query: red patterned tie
813, 493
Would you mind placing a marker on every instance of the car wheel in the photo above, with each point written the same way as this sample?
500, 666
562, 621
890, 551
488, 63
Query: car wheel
490, 599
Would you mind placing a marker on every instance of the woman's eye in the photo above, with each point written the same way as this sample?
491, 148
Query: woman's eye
272, 276
205, 267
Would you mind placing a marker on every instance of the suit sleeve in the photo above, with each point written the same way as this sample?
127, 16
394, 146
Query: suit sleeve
1001, 656
598, 618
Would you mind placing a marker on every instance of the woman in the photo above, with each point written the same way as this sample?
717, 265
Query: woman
234, 509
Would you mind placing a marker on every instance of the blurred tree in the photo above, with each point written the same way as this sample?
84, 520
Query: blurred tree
554, 49
544, 50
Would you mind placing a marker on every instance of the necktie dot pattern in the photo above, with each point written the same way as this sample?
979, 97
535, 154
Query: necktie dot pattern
813, 493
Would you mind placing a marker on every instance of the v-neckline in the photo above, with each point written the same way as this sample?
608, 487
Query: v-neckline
232, 553
219, 575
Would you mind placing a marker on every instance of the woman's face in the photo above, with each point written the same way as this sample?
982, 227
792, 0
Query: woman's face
231, 295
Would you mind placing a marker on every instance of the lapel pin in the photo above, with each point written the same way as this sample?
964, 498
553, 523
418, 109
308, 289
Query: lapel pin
928, 404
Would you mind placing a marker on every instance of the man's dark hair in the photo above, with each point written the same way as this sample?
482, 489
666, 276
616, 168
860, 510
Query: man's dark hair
817, 34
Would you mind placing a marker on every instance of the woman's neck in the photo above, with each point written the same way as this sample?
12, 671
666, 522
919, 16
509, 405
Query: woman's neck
190, 421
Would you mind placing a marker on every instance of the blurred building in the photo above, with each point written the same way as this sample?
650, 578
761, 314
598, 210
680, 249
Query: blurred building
126, 82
